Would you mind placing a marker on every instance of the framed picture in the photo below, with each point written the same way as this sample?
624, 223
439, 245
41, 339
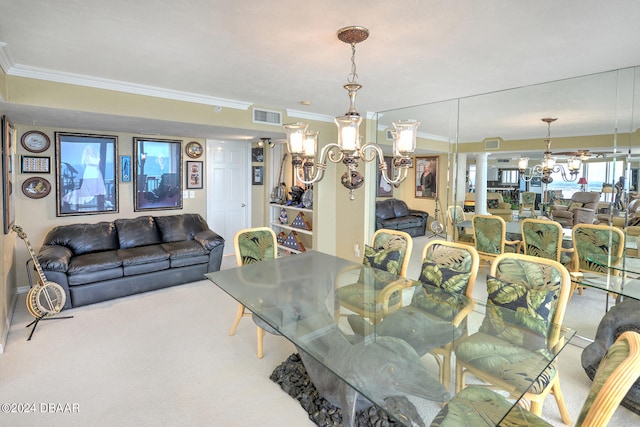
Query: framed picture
33, 164
8, 175
194, 174
125, 168
257, 154
385, 189
36, 187
257, 175
157, 174
86, 179
426, 176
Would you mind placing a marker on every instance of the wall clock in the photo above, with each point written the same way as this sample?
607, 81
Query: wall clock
194, 149
35, 141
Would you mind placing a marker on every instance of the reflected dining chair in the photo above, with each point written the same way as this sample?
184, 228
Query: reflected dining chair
390, 250
535, 291
254, 245
456, 215
451, 268
616, 374
594, 239
543, 238
528, 202
490, 235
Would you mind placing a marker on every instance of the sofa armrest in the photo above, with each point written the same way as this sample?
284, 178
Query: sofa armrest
209, 239
504, 205
583, 216
560, 208
421, 214
55, 258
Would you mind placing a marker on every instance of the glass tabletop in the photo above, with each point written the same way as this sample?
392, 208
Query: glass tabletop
621, 285
624, 264
297, 296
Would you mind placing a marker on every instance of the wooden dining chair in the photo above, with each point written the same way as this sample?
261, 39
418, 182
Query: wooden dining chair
527, 295
528, 203
390, 250
543, 238
452, 268
456, 215
254, 245
594, 239
616, 374
490, 235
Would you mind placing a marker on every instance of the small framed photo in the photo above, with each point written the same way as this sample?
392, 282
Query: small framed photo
36, 187
257, 154
125, 168
194, 174
33, 164
257, 175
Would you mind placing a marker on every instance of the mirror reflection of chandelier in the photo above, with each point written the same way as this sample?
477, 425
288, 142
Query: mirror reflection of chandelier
548, 164
303, 144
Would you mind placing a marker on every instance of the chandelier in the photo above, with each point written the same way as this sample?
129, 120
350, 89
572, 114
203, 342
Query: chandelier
303, 144
548, 164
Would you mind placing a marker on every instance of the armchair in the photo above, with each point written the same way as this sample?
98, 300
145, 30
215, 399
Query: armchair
581, 209
495, 205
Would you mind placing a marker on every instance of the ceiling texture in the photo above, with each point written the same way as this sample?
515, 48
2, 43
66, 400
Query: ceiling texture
277, 54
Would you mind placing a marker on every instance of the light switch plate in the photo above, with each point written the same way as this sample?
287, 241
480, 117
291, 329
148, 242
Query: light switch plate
185, 194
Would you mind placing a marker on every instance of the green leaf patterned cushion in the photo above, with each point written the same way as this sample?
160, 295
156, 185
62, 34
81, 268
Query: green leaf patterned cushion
445, 278
493, 204
574, 205
256, 246
528, 315
384, 259
445, 305
594, 241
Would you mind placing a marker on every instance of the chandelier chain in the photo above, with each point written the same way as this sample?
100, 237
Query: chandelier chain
353, 77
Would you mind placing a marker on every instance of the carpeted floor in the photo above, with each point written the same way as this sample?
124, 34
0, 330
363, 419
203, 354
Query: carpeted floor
165, 358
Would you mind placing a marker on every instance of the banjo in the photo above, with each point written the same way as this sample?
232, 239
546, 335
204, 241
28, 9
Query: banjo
436, 226
45, 298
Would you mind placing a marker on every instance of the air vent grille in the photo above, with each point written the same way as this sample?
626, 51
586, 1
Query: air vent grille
269, 117
491, 144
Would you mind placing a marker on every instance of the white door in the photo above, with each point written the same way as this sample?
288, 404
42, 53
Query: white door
227, 189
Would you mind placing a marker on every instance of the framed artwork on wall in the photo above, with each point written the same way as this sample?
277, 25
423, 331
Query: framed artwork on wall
86, 178
36, 187
35, 164
125, 168
194, 175
385, 189
426, 176
157, 174
8, 194
257, 154
257, 175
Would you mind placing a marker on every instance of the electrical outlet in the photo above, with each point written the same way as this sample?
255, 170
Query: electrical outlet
356, 250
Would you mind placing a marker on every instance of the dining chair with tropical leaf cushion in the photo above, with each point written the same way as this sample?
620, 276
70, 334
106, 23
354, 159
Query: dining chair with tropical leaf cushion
543, 238
528, 203
616, 374
390, 251
254, 245
449, 269
594, 239
456, 216
490, 235
527, 298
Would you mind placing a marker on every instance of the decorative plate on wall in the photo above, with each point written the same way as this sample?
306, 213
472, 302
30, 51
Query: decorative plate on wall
36, 187
35, 141
194, 149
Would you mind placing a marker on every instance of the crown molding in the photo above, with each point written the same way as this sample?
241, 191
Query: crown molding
119, 86
5, 58
309, 116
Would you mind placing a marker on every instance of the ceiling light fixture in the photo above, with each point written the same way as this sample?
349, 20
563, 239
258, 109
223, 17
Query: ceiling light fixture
266, 141
548, 164
303, 144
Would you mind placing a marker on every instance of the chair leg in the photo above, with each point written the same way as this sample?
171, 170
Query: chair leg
239, 315
260, 342
562, 407
459, 377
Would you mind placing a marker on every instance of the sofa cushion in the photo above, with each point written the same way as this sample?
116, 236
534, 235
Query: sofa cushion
84, 238
142, 255
402, 223
384, 209
493, 204
400, 208
184, 249
94, 262
574, 205
139, 231
132, 270
176, 228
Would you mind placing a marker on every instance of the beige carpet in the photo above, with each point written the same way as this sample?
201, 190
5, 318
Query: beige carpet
165, 358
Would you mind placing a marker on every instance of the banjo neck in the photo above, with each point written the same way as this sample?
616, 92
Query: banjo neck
20, 232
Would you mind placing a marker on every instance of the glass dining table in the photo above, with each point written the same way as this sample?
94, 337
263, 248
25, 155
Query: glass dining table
381, 362
622, 277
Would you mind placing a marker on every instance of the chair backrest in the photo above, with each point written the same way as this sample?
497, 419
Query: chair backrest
455, 214
537, 289
495, 195
255, 245
542, 238
595, 239
588, 199
450, 266
528, 198
390, 250
617, 372
490, 233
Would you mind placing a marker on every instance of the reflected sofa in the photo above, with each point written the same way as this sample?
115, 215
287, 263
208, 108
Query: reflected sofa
394, 214
495, 205
580, 210
107, 260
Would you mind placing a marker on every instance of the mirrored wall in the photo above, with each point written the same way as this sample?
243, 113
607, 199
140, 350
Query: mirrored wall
598, 117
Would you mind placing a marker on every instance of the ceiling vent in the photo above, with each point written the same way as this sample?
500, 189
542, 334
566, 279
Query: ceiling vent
268, 117
492, 143
504, 160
